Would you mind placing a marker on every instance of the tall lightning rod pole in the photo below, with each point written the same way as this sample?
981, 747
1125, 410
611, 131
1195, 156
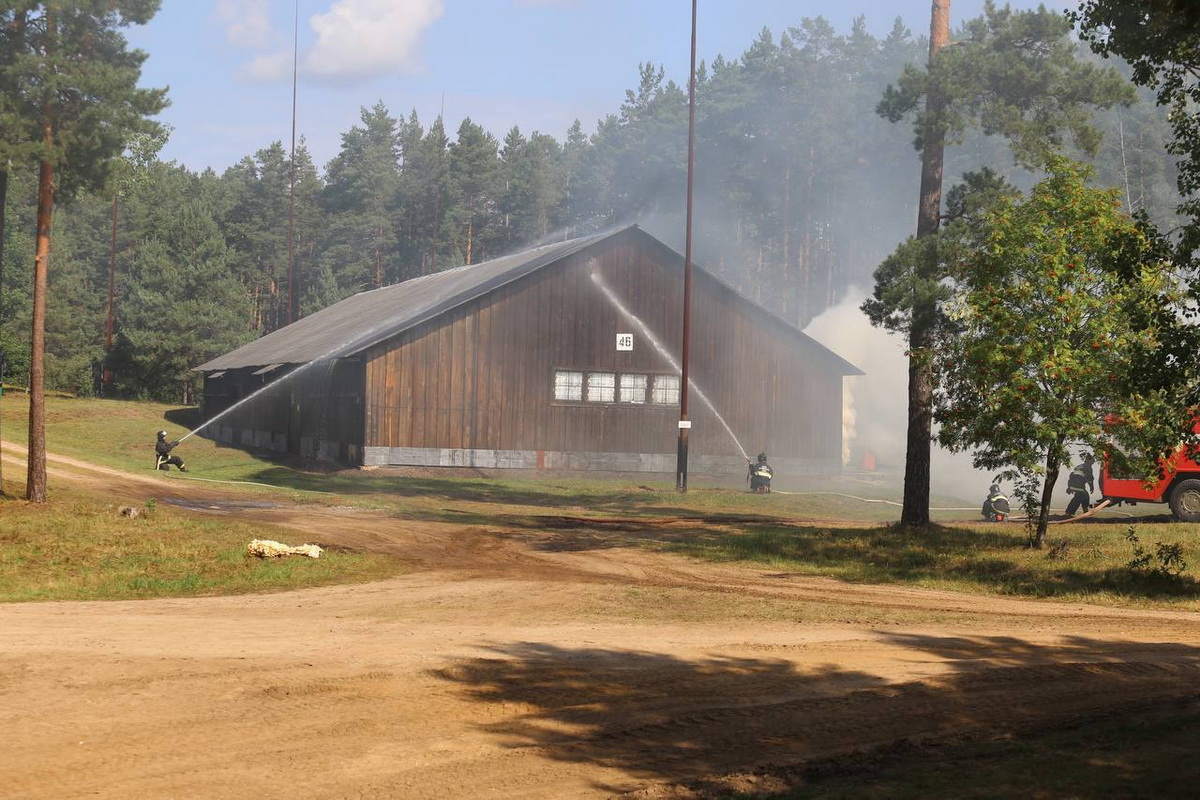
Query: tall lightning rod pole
291, 293
684, 423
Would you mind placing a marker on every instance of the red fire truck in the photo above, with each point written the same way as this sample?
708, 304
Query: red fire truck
1178, 485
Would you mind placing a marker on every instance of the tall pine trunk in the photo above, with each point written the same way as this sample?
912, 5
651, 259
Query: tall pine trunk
3, 209
920, 363
35, 481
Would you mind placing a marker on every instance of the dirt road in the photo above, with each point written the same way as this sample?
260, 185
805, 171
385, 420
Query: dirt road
535, 664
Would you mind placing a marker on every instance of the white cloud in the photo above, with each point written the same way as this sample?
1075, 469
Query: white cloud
246, 22
354, 39
270, 67
366, 38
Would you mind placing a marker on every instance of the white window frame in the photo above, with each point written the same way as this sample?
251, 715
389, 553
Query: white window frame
631, 388
568, 385
665, 391
601, 387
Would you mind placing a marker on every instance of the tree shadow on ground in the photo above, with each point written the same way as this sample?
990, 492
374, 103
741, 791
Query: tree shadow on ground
657, 717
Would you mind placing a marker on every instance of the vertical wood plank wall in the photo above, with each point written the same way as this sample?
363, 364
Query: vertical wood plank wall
482, 376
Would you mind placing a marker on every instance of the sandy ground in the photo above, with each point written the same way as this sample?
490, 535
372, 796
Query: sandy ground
539, 664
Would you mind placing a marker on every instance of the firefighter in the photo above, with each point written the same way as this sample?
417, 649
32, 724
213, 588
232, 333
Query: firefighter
1080, 485
996, 506
165, 460
759, 475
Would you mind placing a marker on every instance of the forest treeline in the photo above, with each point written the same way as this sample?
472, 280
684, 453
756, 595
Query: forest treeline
802, 189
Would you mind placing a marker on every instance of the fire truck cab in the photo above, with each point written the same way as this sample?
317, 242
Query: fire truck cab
1178, 485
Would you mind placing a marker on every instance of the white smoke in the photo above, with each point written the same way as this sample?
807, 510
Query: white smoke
875, 405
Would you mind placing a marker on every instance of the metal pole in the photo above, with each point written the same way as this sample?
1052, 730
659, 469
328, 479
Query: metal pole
684, 423
291, 294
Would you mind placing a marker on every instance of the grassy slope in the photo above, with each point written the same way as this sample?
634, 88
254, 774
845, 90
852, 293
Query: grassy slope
77, 547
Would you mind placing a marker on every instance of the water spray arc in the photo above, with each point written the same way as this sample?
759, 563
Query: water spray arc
664, 352
252, 395
329, 355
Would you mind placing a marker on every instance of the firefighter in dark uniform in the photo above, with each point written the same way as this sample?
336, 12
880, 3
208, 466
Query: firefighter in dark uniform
996, 506
163, 449
1080, 485
759, 475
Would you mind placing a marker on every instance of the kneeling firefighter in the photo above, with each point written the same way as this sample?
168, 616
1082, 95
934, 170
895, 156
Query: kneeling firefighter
996, 507
165, 460
759, 475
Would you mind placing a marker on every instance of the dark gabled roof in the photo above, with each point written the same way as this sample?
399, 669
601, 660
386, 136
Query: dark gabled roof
365, 319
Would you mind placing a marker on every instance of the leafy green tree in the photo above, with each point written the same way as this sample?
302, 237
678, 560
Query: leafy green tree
1013, 74
76, 88
1064, 314
1161, 41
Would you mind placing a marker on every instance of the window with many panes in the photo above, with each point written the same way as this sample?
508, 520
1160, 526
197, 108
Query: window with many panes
601, 387
630, 388
633, 389
666, 390
568, 385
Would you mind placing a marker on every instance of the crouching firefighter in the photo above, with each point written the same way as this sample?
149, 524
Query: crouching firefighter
759, 475
163, 458
996, 507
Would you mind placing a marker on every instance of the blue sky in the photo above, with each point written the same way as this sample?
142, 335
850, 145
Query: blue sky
538, 64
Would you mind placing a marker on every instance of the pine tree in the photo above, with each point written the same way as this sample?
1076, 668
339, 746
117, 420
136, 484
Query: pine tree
77, 86
182, 303
256, 223
471, 210
1015, 74
360, 190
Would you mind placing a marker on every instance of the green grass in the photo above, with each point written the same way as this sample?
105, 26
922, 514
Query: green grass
820, 530
1088, 562
79, 547
120, 434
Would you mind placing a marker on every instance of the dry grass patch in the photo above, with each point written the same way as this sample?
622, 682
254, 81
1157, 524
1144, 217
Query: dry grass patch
80, 547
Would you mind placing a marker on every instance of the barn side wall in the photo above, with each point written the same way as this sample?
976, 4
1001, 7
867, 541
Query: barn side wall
312, 411
476, 385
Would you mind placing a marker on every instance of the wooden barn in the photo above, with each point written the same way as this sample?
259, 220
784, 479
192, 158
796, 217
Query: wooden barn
565, 356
